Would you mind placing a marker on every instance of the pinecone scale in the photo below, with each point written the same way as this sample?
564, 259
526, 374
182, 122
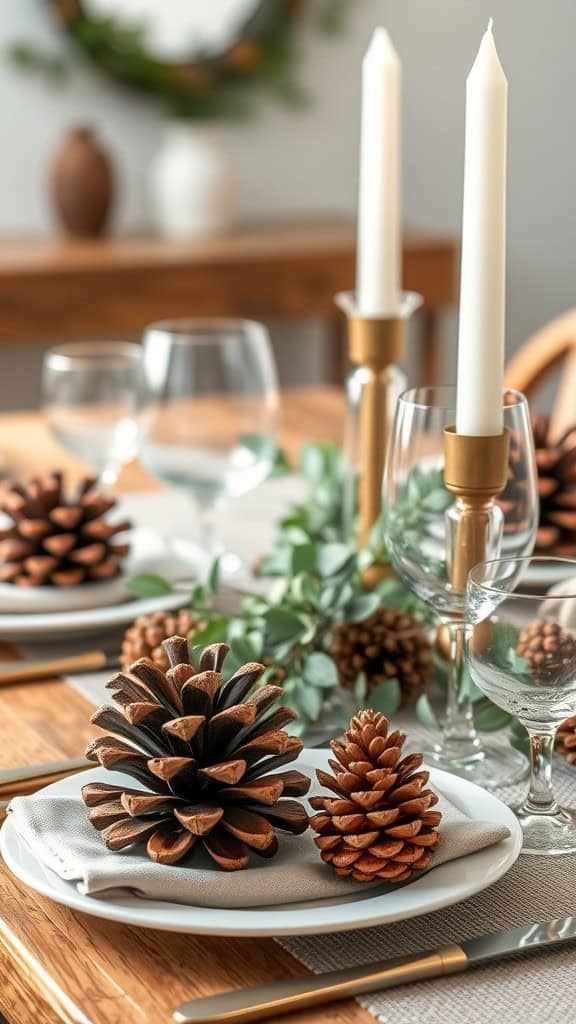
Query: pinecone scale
207, 752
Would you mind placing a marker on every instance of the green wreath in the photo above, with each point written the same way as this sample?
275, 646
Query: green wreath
264, 54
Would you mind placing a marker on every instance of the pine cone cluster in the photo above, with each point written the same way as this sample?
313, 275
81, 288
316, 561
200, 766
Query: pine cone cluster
59, 540
546, 647
388, 645
144, 638
379, 824
207, 752
556, 465
566, 740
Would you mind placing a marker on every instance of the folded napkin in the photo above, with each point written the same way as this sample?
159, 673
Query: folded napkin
57, 831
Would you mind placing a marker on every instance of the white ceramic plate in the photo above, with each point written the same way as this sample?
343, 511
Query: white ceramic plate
116, 607
447, 884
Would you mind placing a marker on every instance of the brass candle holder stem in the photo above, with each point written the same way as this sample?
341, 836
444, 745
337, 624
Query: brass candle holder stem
375, 344
475, 471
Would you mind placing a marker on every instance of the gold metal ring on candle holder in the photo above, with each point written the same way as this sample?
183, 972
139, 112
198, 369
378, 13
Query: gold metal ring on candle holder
475, 471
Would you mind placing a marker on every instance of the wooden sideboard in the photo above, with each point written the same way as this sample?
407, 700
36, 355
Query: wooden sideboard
58, 289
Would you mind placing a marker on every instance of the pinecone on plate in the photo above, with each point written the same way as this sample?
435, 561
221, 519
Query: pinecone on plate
144, 638
566, 740
379, 823
58, 539
388, 645
546, 647
556, 462
207, 752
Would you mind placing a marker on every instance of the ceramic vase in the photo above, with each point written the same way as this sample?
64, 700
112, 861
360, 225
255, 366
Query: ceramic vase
82, 184
190, 183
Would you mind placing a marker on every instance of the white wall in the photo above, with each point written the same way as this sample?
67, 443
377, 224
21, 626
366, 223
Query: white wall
288, 161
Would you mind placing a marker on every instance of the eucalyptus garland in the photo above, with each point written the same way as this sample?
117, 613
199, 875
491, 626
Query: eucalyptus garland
265, 55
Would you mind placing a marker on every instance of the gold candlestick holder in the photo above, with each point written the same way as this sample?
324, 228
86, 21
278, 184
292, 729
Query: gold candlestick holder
375, 347
475, 472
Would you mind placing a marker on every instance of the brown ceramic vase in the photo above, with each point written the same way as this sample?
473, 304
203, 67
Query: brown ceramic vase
82, 184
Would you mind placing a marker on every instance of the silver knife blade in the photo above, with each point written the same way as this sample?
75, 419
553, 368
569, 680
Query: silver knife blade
545, 933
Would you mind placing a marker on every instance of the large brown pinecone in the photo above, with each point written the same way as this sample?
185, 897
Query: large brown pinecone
58, 539
566, 740
144, 638
388, 645
379, 824
546, 647
206, 751
556, 464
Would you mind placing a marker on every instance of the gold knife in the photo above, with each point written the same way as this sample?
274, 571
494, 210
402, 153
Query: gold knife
278, 997
29, 672
21, 780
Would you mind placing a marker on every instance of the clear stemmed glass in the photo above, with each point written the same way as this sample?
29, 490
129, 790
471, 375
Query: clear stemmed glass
212, 424
418, 526
530, 676
94, 397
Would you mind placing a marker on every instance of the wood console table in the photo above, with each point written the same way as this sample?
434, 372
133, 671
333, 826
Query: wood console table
58, 289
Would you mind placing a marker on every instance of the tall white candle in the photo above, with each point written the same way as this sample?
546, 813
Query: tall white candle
378, 269
482, 287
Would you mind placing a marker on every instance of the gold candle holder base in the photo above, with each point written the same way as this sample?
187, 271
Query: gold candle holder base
376, 344
475, 471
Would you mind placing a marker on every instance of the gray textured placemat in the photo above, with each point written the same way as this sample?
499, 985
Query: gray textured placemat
532, 989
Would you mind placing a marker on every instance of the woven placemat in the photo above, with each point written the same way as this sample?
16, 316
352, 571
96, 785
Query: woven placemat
532, 988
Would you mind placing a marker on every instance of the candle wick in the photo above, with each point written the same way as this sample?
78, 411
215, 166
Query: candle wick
490, 25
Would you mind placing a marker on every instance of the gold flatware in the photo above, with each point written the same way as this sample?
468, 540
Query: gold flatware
31, 671
278, 997
15, 781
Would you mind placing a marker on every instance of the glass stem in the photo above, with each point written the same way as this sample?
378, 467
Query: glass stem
460, 741
540, 799
207, 531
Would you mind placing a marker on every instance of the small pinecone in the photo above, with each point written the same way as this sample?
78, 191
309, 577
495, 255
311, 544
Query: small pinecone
59, 540
556, 465
144, 638
388, 645
206, 751
379, 824
546, 647
566, 740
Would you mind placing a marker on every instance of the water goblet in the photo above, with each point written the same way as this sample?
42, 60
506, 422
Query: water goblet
212, 421
531, 675
94, 398
419, 516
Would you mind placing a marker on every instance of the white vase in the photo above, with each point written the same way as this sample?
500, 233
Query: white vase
190, 183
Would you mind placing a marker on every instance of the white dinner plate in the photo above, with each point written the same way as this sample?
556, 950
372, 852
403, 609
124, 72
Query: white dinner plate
150, 553
447, 884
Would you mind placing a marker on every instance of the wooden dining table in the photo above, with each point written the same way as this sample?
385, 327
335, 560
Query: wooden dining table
62, 967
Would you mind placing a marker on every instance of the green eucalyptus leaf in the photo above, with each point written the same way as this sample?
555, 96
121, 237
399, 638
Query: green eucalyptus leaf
331, 559
213, 581
320, 671
282, 624
491, 718
244, 650
303, 558
310, 699
360, 688
385, 697
437, 501
425, 712
362, 607
312, 463
148, 585
214, 633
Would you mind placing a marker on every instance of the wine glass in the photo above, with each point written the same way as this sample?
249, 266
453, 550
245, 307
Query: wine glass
522, 654
94, 398
419, 531
212, 424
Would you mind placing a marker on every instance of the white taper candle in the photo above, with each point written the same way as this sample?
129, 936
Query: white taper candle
378, 268
482, 287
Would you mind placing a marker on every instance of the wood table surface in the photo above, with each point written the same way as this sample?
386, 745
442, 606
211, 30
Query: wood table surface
58, 966
58, 288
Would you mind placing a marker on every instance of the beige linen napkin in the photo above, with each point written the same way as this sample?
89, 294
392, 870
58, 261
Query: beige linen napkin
57, 831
